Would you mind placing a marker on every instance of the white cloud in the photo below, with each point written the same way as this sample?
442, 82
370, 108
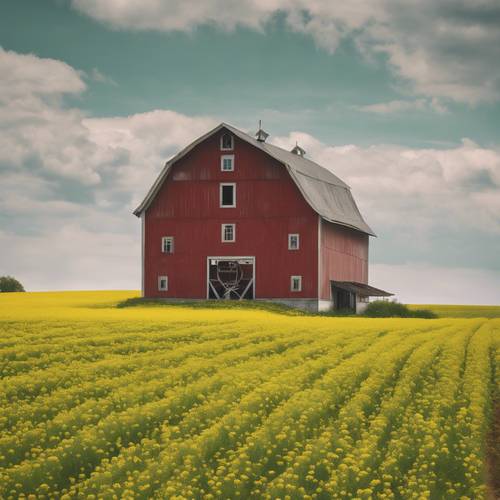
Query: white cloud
73, 258
25, 75
66, 143
134, 148
100, 77
417, 283
441, 49
421, 189
402, 106
34, 125
394, 106
175, 15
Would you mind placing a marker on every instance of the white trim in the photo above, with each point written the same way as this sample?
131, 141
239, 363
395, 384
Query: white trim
221, 186
160, 278
368, 261
232, 142
208, 278
292, 278
230, 257
290, 236
319, 258
222, 227
143, 230
226, 157
172, 244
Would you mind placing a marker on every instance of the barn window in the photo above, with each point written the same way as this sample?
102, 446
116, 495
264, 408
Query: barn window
163, 283
293, 242
167, 244
226, 142
296, 283
227, 163
227, 194
228, 233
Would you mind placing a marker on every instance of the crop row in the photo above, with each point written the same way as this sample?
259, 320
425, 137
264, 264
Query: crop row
250, 410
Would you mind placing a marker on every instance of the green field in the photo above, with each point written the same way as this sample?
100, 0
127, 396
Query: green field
179, 402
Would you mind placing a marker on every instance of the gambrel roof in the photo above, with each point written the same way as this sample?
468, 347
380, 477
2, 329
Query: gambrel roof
327, 195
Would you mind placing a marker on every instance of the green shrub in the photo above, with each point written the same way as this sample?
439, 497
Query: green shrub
423, 313
336, 312
393, 309
10, 284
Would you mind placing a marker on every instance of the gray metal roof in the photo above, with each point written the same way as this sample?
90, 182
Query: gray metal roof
328, 195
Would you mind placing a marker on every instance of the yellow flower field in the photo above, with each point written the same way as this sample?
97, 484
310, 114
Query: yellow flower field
177, 402
461, 311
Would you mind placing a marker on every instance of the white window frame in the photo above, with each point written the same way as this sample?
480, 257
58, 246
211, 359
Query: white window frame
160, 278
227, 157
290, 236
164, 240
232, 142
223, 233
221, 185
292, 279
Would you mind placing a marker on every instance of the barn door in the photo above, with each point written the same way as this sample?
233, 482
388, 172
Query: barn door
231, 278
343, 299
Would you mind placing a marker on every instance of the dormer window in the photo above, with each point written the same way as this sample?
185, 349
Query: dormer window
226, 142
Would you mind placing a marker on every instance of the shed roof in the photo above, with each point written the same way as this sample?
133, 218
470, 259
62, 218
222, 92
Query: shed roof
361, 289
328, 195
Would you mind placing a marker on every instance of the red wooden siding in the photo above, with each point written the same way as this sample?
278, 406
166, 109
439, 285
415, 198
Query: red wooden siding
268, 207
344, 256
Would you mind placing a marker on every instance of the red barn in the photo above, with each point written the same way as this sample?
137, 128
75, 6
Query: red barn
233, 217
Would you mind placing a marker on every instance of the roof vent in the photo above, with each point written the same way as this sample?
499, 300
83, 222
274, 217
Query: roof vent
297, 150
261, 135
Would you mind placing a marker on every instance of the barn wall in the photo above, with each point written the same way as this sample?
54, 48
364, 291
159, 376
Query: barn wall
344, 256
268, 207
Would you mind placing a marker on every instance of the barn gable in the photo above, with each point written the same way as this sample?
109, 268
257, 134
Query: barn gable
327, 195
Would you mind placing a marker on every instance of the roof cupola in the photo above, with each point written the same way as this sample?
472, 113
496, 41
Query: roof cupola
261, 135
297, 150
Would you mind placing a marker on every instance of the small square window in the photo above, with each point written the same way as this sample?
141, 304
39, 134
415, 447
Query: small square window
163, 283
227, 163
296, 283
228, 233
167, 244
293, 242
226, 142
228, 195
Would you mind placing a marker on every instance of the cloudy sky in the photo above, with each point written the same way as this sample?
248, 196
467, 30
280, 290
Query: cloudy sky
403, 103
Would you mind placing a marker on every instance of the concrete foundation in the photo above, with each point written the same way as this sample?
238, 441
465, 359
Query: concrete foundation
304, 304
311, 305
361, 305
325, 305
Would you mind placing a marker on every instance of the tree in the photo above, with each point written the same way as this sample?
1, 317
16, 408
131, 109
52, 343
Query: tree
10, 284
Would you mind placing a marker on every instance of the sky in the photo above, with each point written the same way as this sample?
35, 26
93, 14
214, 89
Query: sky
401, 102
